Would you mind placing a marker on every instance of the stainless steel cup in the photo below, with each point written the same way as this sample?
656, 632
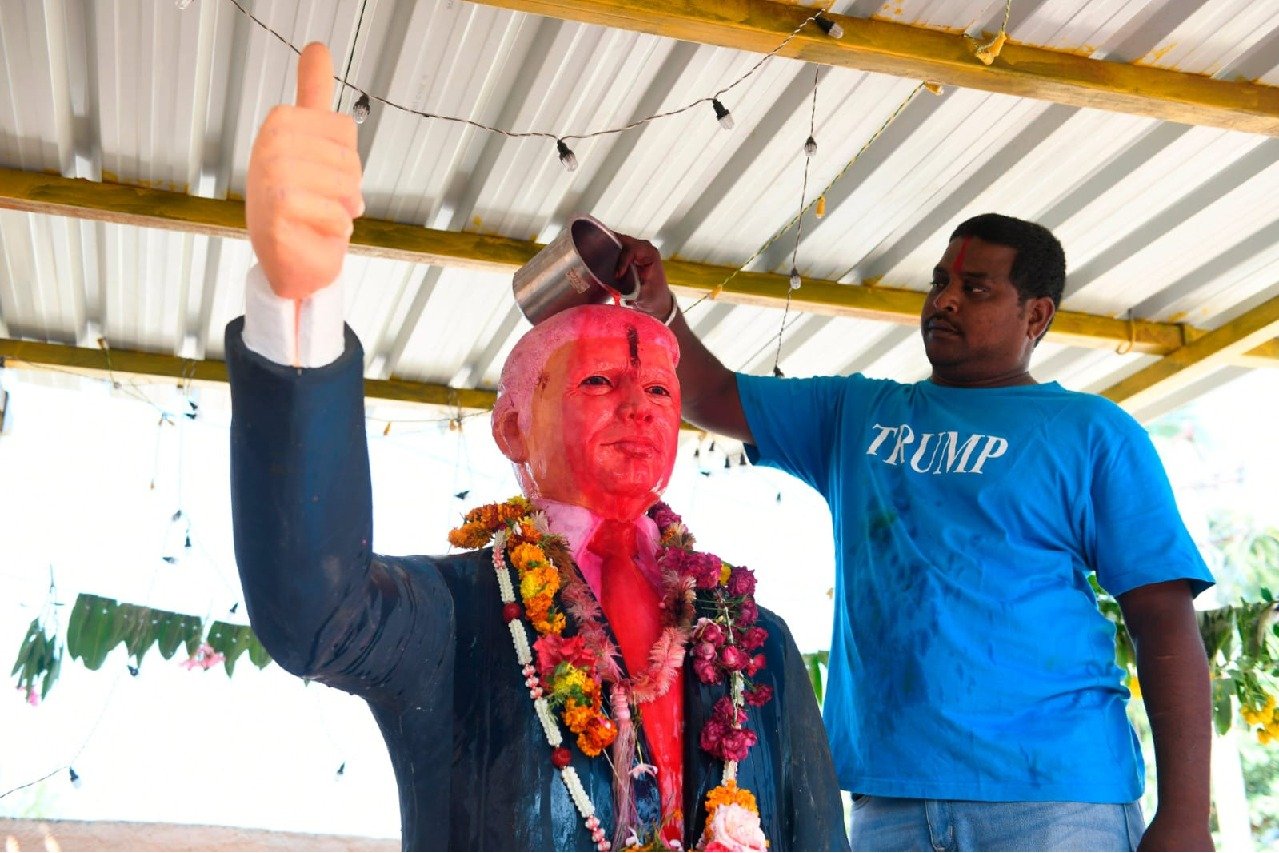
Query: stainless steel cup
576, 268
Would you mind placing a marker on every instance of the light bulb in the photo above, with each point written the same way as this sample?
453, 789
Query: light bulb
75, 777
810, 146
828, 26
360, 112
567, 157
795, 280
722, 114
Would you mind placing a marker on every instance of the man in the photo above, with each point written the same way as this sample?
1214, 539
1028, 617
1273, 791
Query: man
539, 693
973, 700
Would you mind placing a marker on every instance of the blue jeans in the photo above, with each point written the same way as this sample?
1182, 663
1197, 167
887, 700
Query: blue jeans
887, 823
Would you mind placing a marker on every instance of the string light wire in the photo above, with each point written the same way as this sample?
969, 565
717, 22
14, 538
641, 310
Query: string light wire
543, 134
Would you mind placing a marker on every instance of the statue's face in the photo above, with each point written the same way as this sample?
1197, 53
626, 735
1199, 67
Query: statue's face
605, 425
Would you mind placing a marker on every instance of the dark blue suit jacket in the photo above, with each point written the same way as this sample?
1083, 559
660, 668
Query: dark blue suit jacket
423, 641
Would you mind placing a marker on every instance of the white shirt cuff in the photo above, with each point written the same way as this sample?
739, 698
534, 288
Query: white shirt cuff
275, 329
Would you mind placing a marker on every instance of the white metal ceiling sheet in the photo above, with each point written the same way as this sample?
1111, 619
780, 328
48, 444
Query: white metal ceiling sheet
231, 260
31, 302
415, 169
755, 202
964, 132
463, 308
1217, 35
827, 348
33, 133
1190, 246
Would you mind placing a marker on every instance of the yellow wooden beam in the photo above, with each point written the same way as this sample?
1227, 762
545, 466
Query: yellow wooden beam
117, 362
1199, 356
54, 195
759, 26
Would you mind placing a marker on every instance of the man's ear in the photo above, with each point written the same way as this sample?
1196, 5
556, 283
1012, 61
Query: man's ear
509, 437
1039, 313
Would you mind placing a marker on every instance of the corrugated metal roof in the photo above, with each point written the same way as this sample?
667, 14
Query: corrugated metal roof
1161, 221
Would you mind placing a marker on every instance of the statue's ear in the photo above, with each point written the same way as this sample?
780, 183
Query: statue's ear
509, 437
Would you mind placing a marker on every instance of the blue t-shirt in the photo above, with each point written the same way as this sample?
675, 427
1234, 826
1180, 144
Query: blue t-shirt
969, 660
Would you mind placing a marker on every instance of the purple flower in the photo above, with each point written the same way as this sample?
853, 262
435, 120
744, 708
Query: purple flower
735, 743
664, 516
753, 638
748, 613
724, 712
705, 651
712, 735
709, 632
706, 671
759, 695
741, 582
733, 658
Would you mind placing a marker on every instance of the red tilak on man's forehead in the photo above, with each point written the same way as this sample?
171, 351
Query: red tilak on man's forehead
958, 266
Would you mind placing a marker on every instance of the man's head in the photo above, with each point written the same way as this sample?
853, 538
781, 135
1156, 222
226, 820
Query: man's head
993, 296
588, 409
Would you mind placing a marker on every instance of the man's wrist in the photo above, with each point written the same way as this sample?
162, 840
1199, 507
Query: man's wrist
670, 316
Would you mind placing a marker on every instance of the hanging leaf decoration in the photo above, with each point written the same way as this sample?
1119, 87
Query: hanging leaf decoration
39, 661
100, 624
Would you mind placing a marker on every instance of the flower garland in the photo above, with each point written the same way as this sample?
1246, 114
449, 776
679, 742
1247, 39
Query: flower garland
710, 615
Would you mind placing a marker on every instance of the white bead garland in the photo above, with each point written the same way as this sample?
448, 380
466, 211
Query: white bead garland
524, 654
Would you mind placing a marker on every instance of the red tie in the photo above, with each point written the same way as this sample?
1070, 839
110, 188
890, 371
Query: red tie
633, 609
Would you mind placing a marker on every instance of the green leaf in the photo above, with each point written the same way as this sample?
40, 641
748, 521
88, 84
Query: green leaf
1223, 709
257, 652
75, 625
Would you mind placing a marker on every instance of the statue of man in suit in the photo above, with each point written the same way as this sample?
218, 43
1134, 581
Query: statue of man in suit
582, 679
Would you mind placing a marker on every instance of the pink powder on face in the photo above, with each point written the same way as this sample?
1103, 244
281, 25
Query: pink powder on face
524, 366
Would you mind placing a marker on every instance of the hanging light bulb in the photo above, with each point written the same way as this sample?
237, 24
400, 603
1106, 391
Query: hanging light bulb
828, 26
360, 112
75, 777
820, 210
567, 157
341, 771
722, 114
795, 280
810, 146
777, 371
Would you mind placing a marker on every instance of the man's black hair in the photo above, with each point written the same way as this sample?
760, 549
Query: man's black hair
1039, 269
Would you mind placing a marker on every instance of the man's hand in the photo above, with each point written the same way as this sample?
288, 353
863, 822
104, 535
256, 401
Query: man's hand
655, 297
303, 190
1165, 833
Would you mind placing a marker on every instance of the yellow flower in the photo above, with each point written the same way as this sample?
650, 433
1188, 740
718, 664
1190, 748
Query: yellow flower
1249, 716
1273, 728
1134, 686
577, 717
724, 571
729, 794
526, 556
1263, 737
469, 536
538, 582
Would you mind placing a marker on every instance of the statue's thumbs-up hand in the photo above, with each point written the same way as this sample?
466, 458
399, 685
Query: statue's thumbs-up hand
303, 190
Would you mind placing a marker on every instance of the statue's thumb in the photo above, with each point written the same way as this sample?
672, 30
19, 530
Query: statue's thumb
315, 77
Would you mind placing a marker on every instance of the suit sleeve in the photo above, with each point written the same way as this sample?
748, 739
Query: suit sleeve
816, 807
321, 602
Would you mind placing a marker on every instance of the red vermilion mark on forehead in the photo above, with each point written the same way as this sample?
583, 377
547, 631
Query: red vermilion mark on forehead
632, 343
957, 268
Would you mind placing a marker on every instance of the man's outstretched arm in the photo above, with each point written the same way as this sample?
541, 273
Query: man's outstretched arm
709, 388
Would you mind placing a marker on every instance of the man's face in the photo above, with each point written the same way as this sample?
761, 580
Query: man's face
977, 331
605, 425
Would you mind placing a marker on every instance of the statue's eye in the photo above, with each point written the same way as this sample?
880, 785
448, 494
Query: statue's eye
598, 380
